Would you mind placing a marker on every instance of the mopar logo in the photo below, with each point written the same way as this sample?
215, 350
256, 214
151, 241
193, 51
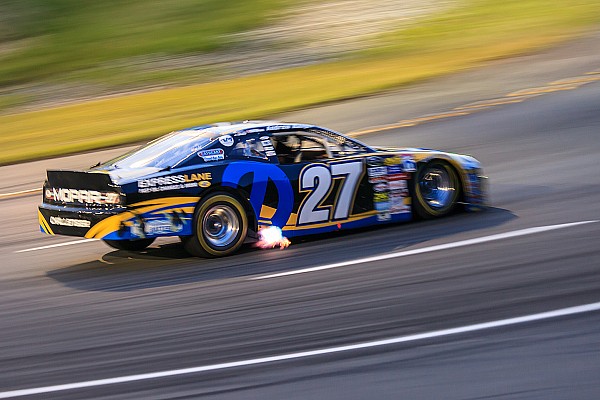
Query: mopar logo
81, 196
261, 174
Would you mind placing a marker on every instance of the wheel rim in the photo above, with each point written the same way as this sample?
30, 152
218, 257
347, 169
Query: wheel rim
220, 226
437, 187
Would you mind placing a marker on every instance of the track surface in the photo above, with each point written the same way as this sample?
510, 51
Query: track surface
83, 312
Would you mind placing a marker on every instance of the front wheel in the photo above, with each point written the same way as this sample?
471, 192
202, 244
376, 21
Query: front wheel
129, 245
436, 189
220, 227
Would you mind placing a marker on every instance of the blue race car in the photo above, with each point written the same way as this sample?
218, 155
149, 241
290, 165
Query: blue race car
217, 186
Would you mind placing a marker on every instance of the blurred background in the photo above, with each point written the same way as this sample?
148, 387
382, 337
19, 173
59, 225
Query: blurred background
98, 74
516, 83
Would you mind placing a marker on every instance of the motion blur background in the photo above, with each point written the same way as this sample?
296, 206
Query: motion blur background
79, 75
516, 83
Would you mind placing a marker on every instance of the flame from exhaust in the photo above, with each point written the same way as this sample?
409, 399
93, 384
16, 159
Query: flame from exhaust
270, 237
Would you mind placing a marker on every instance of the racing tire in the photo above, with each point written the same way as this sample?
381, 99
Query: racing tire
130, 245
220, 227
436, 189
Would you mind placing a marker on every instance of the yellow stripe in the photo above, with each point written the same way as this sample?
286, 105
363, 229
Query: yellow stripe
267, 212
578, 79
44, 224
541, 90
112, 224
357, 217
409, 122
494, 102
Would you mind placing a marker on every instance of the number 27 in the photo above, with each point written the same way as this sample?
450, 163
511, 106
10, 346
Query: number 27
318, 181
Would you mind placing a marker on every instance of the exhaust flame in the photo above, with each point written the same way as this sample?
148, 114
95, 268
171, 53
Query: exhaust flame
270, 237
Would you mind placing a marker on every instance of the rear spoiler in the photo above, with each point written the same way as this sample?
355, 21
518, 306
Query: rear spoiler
99, 181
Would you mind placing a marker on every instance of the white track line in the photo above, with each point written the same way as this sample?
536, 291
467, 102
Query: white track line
50, 246
468, 242
3, 195
290, 356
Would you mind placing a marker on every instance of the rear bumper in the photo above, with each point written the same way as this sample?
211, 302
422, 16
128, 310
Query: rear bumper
149, 219
58, 220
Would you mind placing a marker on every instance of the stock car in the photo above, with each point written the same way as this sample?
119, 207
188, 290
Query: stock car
216, 186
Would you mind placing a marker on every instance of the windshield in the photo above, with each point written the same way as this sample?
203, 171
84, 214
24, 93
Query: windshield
165, 151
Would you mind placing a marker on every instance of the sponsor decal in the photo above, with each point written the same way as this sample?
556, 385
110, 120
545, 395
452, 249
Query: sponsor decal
381, 197
81, 196
398, 195
380, 187
268, 146
226, 140
76, 223
377, 179
174, 182
398, 184
376, 171
151, 225
212, 154
255, 130
398, 177
278, 127
409, 164
398, 208
392, 161
374, 161
384, 216
394, 169
161, 227
383, 206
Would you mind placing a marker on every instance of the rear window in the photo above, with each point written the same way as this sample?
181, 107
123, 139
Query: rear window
165, 151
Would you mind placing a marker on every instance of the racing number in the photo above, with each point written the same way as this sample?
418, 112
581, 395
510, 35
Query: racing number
318, 180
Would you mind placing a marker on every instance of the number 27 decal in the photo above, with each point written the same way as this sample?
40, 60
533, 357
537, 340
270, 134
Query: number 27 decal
317, 180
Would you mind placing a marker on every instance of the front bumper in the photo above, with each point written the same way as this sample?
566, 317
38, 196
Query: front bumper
476, 191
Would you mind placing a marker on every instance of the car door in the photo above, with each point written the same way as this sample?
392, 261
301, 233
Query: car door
331, 187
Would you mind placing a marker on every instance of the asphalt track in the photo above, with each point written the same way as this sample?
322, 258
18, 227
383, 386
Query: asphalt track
81, 312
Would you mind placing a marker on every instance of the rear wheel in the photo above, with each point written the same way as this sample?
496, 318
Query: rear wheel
129, 245
436, 189
220, 227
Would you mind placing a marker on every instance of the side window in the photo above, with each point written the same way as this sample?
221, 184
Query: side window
251, 147
312, 149
296, 148
341, 146
342, 149
287, 148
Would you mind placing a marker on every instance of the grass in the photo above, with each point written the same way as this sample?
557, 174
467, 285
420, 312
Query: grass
478, 31
56, 37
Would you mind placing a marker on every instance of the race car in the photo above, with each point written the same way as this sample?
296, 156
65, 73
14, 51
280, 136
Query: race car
218, 186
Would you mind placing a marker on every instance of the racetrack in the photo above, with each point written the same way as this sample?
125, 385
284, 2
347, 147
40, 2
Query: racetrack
82, 312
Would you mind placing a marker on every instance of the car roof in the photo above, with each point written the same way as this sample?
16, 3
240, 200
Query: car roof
224, 128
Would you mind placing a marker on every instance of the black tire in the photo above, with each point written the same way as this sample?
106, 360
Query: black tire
220, 227
130, 245
435, 189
